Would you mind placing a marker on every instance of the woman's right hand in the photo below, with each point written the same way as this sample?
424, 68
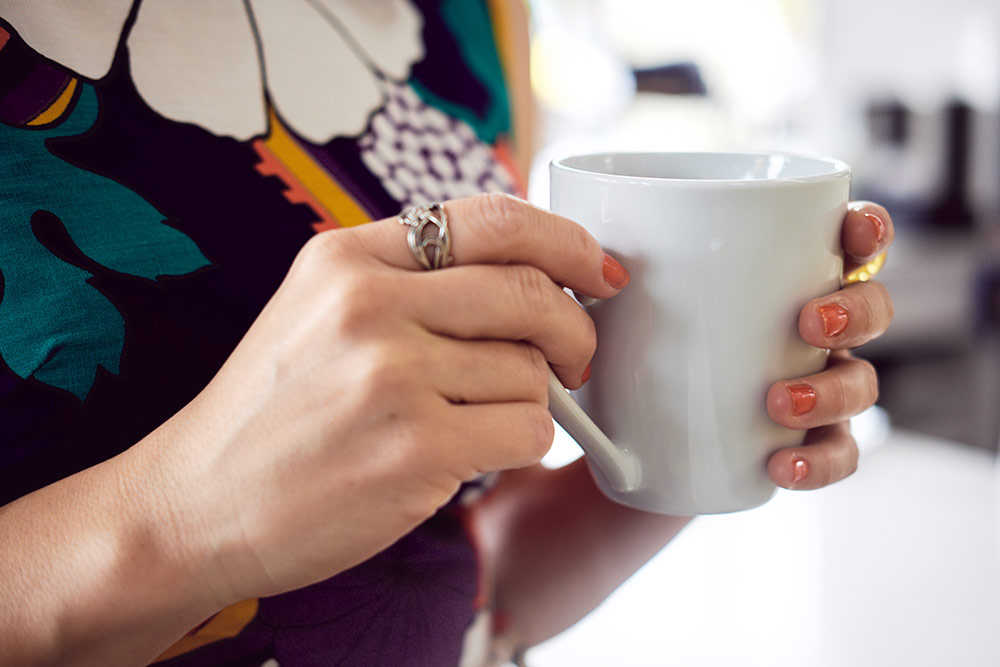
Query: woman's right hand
368, 390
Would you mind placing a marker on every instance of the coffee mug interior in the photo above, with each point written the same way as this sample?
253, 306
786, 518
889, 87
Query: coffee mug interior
759, 167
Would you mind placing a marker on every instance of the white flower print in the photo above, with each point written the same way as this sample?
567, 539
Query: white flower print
320, 62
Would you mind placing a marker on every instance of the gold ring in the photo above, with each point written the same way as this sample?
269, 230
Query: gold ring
867, 271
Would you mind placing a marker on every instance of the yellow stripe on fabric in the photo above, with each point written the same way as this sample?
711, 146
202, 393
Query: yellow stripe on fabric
341, 205
510, 32
502, 32
58, 107
227, 623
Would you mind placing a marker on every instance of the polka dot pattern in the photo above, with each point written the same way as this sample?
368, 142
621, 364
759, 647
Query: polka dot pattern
421, 155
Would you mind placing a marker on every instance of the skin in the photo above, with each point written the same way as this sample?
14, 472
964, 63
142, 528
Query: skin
340, 449
538, 522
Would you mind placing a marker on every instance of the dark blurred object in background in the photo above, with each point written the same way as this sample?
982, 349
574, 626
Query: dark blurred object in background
673, 79
924, 163
888, 123
939, 363
952, 209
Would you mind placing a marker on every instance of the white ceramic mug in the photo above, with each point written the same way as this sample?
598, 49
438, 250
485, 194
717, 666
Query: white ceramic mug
724, 249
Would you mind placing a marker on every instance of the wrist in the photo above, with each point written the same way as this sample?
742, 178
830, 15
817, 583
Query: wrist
92, 574
172, 520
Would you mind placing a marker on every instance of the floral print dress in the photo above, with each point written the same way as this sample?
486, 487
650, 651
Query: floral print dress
161, 163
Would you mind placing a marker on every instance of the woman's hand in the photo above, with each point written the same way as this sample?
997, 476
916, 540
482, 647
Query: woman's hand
368, 390
825, 401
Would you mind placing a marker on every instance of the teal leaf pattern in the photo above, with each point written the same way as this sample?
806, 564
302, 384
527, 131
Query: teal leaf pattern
54, 325
469, 23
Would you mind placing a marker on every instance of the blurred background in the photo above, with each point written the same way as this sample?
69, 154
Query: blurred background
906, 92
900, 563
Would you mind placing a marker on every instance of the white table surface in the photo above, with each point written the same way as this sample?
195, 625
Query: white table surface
897, 565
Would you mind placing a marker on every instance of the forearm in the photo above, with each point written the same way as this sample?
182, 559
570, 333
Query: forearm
92, 572
558, 547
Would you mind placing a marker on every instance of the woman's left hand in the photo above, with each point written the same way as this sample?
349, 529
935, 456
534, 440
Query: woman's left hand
824, 402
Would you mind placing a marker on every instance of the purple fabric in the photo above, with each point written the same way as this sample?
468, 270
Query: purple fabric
28, 84
409, 605
443, 70
45, 83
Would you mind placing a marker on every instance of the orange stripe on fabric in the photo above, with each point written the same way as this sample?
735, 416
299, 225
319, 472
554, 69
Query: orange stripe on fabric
57, 108
4, 38
503, 155
226, 624
341, 206
295, 192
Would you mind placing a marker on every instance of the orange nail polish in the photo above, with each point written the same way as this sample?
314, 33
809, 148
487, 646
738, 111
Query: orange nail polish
803, 398
834, 319
800, 470
614, 273
879, 225
586, 375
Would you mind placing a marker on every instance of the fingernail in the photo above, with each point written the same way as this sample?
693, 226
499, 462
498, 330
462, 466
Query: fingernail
586, 375
834, 318
879, 225
803, 398
614, 273
800, 470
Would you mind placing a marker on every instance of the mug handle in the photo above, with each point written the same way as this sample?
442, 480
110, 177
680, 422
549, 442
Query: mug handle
619, 466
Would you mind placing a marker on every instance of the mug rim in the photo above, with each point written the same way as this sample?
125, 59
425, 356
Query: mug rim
836, 168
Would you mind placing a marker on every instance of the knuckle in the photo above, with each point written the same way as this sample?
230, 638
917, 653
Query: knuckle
361, 299
886, 300
317, 244
538, 368
831, 469
531, 286
390, 372
581, 242
839, 395
502, 214
375, 381
873, 307
324, 246
870, 380
540, 432
842, 459
312, 258
853, 456
352, 311
864, 310
589, 338
842, 462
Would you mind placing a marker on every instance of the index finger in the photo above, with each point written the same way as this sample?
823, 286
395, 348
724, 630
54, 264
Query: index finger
501, 229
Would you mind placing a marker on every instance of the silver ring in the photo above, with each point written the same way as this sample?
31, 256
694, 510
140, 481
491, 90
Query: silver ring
428, 235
